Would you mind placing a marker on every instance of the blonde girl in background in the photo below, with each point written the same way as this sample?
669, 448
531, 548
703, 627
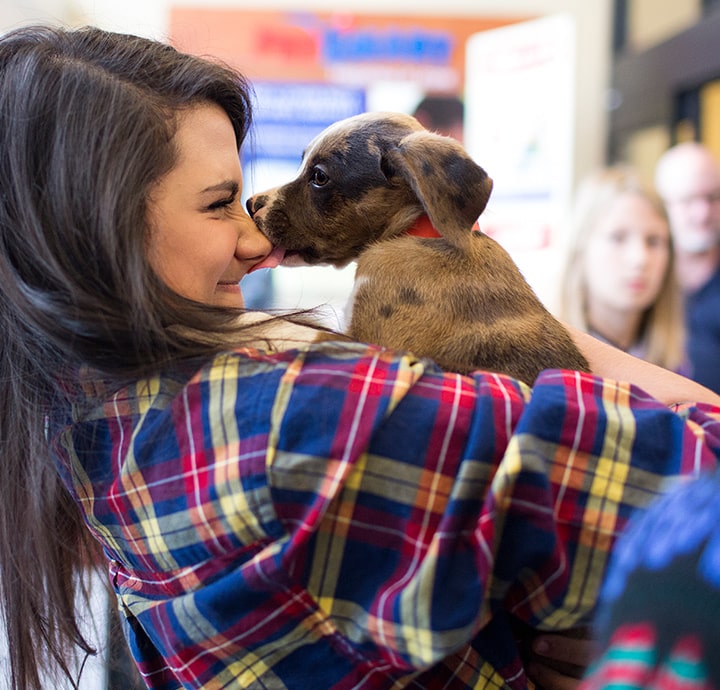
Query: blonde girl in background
618, 282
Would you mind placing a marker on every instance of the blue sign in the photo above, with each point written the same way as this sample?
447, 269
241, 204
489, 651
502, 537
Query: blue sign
288, 115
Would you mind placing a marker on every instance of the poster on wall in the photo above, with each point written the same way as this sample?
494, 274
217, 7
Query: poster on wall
519, 97
353, 49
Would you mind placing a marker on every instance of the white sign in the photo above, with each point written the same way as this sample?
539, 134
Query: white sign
519, 126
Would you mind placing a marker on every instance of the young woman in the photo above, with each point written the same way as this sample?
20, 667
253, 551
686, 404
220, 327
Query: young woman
619, 280
333, 515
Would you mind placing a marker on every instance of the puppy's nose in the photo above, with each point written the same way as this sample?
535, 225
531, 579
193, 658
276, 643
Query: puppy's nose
255, 203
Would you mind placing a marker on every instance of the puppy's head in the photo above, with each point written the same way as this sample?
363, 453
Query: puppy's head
368, 178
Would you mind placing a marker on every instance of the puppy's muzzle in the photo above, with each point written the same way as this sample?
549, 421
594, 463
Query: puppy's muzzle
257, 206
255, 203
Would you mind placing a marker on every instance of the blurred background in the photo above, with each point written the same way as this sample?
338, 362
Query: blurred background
541, 92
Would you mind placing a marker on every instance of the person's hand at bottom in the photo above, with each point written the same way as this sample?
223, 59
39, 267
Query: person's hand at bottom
558, 661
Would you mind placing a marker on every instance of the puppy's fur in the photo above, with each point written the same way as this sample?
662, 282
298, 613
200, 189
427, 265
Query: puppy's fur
458, 298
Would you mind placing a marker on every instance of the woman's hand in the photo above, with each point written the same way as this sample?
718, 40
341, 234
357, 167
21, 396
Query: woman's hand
558, 661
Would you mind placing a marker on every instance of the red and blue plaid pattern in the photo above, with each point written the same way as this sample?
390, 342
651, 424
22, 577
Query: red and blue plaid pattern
344, 517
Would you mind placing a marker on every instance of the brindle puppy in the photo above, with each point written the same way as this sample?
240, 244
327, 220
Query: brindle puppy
457, 297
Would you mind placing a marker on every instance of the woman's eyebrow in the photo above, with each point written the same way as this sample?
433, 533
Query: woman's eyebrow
225, 186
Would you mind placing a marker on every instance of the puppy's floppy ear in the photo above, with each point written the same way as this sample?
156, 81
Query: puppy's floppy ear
452, 188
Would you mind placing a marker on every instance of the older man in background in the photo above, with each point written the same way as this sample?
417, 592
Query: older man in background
687, 177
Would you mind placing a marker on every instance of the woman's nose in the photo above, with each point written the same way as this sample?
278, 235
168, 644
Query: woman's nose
251, 242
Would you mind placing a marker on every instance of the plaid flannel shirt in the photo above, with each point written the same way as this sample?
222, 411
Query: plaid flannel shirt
343, 517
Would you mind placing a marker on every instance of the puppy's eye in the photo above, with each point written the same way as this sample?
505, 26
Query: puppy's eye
319, 178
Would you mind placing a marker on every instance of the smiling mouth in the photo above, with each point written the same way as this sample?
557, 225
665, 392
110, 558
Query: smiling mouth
229, 287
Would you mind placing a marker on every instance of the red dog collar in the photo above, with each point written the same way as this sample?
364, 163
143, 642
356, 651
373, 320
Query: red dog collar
422, 227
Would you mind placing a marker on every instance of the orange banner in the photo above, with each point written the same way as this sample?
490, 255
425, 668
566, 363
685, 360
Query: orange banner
354, 49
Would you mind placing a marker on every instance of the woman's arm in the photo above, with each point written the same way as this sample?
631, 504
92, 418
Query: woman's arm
664, 385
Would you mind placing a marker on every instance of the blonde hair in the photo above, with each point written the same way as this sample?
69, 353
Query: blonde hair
662, 329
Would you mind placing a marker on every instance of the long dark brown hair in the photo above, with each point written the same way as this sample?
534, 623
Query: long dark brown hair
87, 119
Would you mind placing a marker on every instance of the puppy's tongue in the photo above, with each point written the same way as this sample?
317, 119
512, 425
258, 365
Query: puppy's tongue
272, 260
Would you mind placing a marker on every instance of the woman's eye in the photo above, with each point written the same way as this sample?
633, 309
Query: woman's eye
319, 177
222, 203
